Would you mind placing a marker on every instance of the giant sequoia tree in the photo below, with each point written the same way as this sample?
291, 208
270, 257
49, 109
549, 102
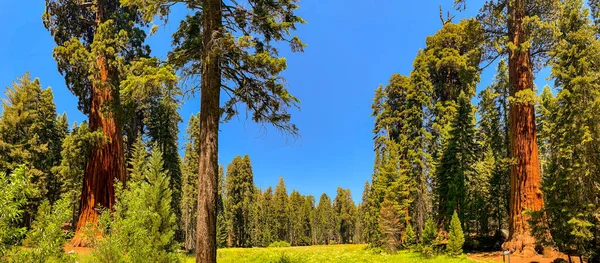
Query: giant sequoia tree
523, 30
97, 42
231, 45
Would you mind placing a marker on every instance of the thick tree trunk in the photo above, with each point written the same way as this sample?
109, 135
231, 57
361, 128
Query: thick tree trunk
106, 161
206, 230
525, 179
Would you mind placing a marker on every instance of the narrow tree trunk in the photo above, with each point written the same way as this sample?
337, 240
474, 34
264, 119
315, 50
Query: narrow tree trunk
525, 179
206, 230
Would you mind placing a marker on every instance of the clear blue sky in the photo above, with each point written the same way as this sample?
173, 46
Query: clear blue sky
352, 48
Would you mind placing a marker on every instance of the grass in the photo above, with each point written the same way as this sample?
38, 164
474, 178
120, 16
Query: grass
318, 254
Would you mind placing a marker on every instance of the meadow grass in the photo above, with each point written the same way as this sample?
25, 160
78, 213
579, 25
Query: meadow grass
320, 254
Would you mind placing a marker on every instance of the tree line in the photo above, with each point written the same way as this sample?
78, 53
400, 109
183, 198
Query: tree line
438, 154
248, 216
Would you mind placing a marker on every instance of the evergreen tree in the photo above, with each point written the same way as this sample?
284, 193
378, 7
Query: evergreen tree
457, 165
295, 218
323, 222
523, 30
390, 226
308, 209
456, 237
99, 44
493, 129
250, 67
239, 185
30, 133
281, 209
76, 149
189, 184
345, 211
573, 134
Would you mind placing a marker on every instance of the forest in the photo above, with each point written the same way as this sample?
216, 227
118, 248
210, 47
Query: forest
465, 168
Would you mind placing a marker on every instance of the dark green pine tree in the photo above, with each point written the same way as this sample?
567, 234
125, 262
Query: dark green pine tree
151, 99
268, 218
308, 209
324, 223
493, 131
457, 165
189, 184
345, 210
239, 184
31, 134
281, 209
573, 170
296, 202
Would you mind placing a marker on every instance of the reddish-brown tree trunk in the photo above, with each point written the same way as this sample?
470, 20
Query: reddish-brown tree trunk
106, 161
206, 230
525, 179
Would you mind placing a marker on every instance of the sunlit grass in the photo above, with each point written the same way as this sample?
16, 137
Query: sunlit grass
319, 254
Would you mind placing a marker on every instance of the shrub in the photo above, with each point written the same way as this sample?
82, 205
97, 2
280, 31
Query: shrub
429, 233
427, 251
47, 238
280, 244
14, 191
410, 239
457, 238
142, 228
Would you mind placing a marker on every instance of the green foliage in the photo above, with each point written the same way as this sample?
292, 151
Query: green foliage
457, 164
143, 226
345, 210
430, 232
457, 238
239, 184
324, 221
15, 189
189, 183
281, 209
76, 148
569, 126
410, 238
279, 244
31, 133
46, 239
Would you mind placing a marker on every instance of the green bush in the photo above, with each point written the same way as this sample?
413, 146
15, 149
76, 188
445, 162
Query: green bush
142, 228
430, 232
47, 238
410, 236
280, 244
14, 191
457, 238
427, 251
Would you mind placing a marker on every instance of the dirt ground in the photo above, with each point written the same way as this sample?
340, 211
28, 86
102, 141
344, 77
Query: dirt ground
497, 257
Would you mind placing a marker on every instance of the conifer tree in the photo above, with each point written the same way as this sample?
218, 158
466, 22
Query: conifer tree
240, 196
457, 165
573, 133
345, 210
323, 222
189, 184
221, 214
30, 134
295, 216
281, 209
247, 67
524, 30
98, 44
493, 129
456, 238
76, 149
